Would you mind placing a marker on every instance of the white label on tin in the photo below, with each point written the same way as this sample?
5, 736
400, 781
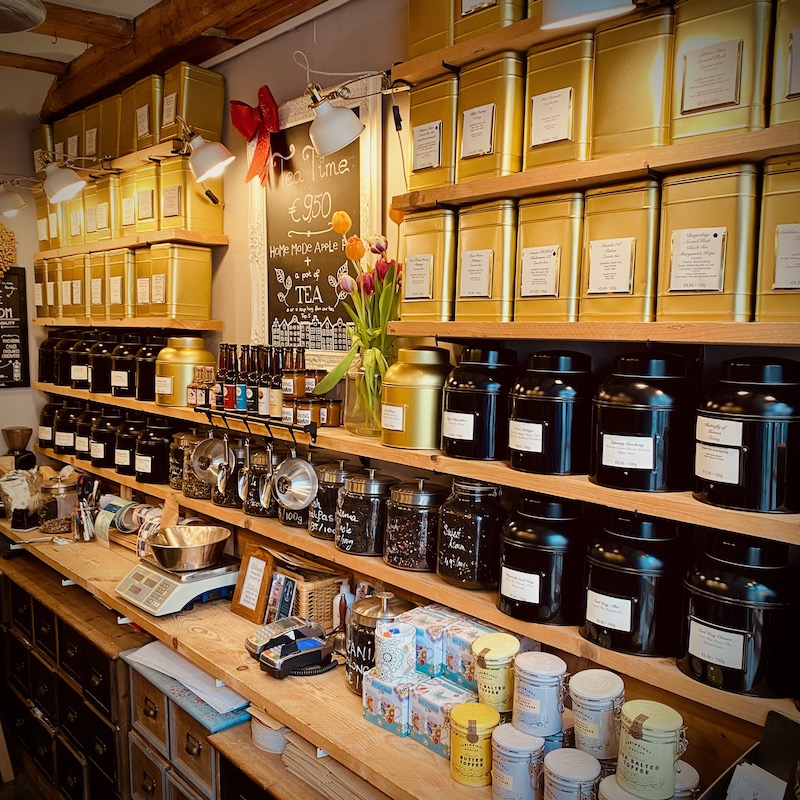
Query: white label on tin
168, 111
713, 463
66, 293
37, 294
393, 418
38, 160
611, 265
539, 271
609, 612
90, 143
719, 431
52, 219
142, 121
79, 372
142, 291
102, 216
323, 415
72, 146
303, 416
628, 452
458, 426
787, 253
119, 378
469, 6
523, 586
115, 290
97, 291
128, 211
45, 433
97, 450
58, 147
427, 146
159, 288
143, 464
74, 223
171, 201
91, 219
65, 439
716, 645
525, 436
418, 278
82, 444
711, 76
476, 273
41, 229
794, 63
163, 385
122, 458
551, 116
698, 255
477, 134
77, 292
51, 293
144, 204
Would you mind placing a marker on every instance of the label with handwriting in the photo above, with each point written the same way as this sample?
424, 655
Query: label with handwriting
143, 121
427, 146
171, 201
539, 269
551, 117
787, 253
477, 131
418, 277
611, 265
698, 257
609, 612
168, 110
475, 279
712, 76
717, 464
628, 452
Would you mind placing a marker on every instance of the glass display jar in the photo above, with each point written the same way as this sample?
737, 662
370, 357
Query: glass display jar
468, 549
177, 450
104, 435
412, 525
192, 485
123, 365
64, 424
100, 362
362, 400
228, 495
330, 412
263, 464
83, 431
322, 511
146, 357
126, 436
151, 460
58, 499
361, 513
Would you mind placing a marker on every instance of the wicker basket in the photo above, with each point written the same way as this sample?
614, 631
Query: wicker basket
314, 598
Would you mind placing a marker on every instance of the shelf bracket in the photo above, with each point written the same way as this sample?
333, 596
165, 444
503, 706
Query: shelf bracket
451, 67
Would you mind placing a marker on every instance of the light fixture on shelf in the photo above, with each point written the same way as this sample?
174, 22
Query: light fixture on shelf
566, 13
61, 182
11, 201
333, 127
206, 159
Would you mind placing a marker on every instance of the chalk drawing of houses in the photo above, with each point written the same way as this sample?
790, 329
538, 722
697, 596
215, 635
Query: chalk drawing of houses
341, 338
275, 336
294, 332
304, 326
315, 334
284, 334
327, 334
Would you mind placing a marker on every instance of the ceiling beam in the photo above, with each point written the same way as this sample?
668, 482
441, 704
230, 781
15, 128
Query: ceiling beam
34, 63
266, 15
89, 27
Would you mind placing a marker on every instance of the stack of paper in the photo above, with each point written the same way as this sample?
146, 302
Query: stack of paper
751, 782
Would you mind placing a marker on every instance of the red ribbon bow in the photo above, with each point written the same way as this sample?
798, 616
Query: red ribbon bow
262, 120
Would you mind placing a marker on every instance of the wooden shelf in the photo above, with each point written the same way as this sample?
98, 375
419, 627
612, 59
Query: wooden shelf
753, 146
130, 322
660, 672
782, 334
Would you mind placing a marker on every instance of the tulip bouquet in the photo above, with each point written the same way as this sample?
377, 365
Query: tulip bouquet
374, 294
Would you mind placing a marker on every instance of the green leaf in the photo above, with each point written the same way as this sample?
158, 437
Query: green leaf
337, 373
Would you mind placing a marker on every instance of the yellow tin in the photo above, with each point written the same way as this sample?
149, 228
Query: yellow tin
127, 121
121, 283
433, 133
429, 269
127, 202
548, 259
96, 282
147, 94
184, 203
143, 273
108, 212
490, 117
42, 221
175, 366
620, 253
198, 96
180, 281
90, 212
631, 94
778, 282
430, 26
70, 286
40, 288
148, 197
60, 138
471, 726
82, 268
484, 287
55, 225
558, 102
92, 127
41, 143
721, 67
73, 220
708, 245
53, 293
785, 97
73, 142
109, 126
476, 17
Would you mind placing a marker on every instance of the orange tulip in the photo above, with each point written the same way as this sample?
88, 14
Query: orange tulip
341, 222
354, 249
395, 215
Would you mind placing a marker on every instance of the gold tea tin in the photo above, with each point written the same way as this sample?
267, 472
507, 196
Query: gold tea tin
430, 26
90, 212
96, 283
175, 368
147, 94
109, 126
121, 283
55, 225
108, 213
42, 220
92, 125
484, 286
721, 67
778, 281
41, 143
67, 293
476, 17
558, 102
143, 273
40, 288
708, 245
471, 726
127, 202
60, 138
196, 95
148, 197
411, 398
785, 96
82, 301
73, 135
53, 293
184, 203
430, 265
127, 121
73, 220
620, 253
433, 133
548, 260
631, 94
490, 117
180, 281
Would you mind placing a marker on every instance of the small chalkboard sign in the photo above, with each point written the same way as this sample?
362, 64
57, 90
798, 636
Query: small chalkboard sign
14, 363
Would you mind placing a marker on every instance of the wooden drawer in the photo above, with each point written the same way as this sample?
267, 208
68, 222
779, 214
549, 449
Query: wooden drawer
149, 714
72, 772
44, 629
19, 664
44, 687
43, 747
5, 635
178, 789
101, 786
73, 713
148, 771
70, 651
21, 615
102, 745
189, 750
235, 785
98, 679
20, 719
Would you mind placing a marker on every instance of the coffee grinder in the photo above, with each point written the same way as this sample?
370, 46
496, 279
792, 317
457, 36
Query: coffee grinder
17, 438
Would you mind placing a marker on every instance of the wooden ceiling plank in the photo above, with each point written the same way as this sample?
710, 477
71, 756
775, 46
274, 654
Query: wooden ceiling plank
77, 25
33, 63
267, 15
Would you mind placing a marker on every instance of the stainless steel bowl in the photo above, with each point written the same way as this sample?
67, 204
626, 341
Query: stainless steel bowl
181, 548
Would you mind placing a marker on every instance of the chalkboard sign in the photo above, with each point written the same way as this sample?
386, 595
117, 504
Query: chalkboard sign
14, 365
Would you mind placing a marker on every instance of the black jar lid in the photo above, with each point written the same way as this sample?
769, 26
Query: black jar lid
542, 506
71, 335
420, 493
631, 525
159, 423
488, 356
559, 361
112, 413
127, 342
105, 342
73, 404
650, 364
747, 551
760, 369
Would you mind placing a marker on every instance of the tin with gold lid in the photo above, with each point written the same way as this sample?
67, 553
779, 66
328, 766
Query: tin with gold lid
109, 126
196, 95
147, 193
184, 203
785, 98
433, 133
180, 278
430, 26
471, 727
108, 216
121, 283
494, 659
476, 17
175, 368
147, 95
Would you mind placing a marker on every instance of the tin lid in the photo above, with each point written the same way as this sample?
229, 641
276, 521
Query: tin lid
542, 506
493, 649
747, 551
423, 354
609, 789
537, 663
649, 715
572, 765
760, 369
335, 472
378, 607
479, 716
488, 356
420, 492
369, 483
186, 341
559, 361
595, 684
58, 486
686, 777
650, 364
510, 738
637, 526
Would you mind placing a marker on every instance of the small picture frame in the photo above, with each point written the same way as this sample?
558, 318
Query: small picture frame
255, 577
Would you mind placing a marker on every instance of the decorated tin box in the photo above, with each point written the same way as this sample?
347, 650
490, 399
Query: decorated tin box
431, 702
430, 625
388, 703
459, 665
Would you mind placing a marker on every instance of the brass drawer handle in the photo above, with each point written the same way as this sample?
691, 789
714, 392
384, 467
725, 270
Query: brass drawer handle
150, 708
193, 746
42, 690
95, 680
99, 749
71, 651
44, 629
71, 716
148, 784
69, 781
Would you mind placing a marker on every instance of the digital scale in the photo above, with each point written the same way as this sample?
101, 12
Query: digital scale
160, 592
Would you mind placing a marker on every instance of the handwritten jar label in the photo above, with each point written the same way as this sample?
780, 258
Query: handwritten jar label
606, 611
628, 452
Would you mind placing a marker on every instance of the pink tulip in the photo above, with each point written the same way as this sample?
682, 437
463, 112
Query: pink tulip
383, 266
378, 244
366, 283
348, 284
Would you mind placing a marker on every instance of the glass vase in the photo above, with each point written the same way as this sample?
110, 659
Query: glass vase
362, 401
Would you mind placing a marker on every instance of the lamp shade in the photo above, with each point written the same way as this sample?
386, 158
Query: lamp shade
10, 201
61, 183
333, 128
208, 159
565, 13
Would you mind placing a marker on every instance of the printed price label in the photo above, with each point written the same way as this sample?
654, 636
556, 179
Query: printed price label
526, 436
163, 385
97, 291
719, 464
158, 286
142, 291
122, 458
551, 117
628, 452
476, 273
418, 278
91, 142
393, 418
427, 146
98, 450
128, 211
143, 121
171, 201
168, 112
609, 612
477, 134
119, 378
539, 271
143, 464
698, 256
716, 645
522, 586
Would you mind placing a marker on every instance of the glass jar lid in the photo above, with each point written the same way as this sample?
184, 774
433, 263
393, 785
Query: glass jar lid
595, 684
472, 486
536, 663
369, 483
650, 715
420, 492
493, 649
481, 717
570, 764
383, 606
